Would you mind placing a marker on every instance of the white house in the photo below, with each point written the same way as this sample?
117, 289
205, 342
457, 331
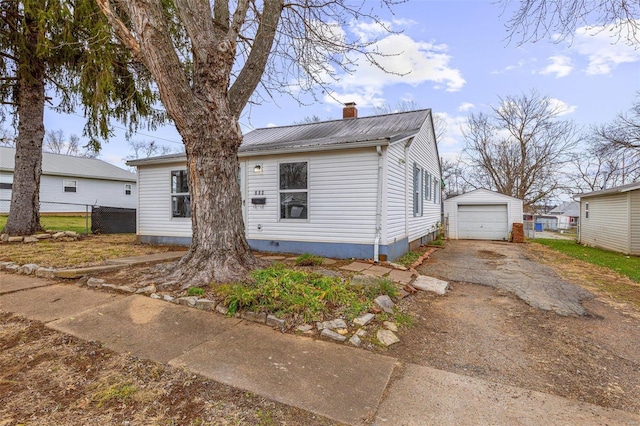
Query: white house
353, 188
69, 183
482, 215
610, 219
568, 214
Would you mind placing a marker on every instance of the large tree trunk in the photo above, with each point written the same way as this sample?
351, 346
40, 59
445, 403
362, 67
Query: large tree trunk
24, 212
219, 250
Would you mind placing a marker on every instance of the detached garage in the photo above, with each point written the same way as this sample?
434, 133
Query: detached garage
481, 215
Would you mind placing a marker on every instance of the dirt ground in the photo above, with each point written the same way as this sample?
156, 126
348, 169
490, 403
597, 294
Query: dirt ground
489, 333
48, 378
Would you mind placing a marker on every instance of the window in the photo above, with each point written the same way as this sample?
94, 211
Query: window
586, 210
180, 200
70, 185
436, 190
294, 192
6, 182
128, 188
417, 190
427, 185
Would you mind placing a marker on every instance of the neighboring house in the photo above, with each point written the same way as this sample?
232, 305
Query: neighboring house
568, 214
482, 215
610, 219
365, 187
68, 183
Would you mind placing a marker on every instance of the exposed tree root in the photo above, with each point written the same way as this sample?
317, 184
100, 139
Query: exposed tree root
197, 269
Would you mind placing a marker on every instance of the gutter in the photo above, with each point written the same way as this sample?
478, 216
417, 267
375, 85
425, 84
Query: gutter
376, 244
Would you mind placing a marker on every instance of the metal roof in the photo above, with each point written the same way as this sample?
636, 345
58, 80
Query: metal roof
618, 189
389, 127
67, 165
334, 134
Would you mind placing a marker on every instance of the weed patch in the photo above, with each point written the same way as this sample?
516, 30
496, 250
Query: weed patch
310, 296
195, 291
409, 258
308, 259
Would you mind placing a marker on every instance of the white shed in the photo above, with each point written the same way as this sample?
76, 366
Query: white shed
482, 215
610, 219
352, 188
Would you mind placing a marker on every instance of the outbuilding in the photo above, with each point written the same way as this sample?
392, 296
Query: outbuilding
481, 215
364, 187
610, 219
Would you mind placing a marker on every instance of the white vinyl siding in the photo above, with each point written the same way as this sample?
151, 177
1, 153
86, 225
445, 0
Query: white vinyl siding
608, 223
635, 221
342, 191
481, 197
154, 205
396, 193
423, 152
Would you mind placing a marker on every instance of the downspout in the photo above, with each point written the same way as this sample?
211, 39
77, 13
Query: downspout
376, 244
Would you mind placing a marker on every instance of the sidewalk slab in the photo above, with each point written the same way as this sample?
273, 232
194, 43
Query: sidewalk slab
148, 258
146, 327
13, 282
53, 302
335, 381
426, 396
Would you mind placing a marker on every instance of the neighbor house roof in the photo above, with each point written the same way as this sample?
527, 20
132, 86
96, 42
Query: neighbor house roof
616, 190
334, 134
568, 208
67, 165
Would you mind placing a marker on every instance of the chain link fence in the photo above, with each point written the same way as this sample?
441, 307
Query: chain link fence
81, 218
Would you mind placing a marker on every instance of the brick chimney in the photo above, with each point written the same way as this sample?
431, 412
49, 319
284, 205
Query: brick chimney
350, 110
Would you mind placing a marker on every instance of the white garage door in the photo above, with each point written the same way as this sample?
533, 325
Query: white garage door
483, 222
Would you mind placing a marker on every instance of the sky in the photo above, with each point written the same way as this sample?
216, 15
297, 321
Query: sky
453, 56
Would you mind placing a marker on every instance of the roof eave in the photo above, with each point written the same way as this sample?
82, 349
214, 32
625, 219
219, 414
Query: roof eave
313, 148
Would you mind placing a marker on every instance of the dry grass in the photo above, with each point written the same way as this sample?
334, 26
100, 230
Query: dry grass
598, 279
89, 250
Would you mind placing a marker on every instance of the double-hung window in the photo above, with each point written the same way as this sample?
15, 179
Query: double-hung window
427, 185
180, 200
417, 190
294, 190
436, 190
128, 188
69, 185
6, 182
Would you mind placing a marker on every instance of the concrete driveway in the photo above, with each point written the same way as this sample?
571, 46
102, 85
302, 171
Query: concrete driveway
506, 266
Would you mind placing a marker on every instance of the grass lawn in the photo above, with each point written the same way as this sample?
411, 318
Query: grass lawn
628, 266
59, 223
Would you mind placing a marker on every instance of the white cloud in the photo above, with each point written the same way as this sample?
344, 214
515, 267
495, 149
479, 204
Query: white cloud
560, 66
404, 61
562, 107
453, 140
466, 106
521, 63
604, 49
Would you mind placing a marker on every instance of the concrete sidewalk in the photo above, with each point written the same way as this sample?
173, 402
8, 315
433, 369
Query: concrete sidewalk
348, 385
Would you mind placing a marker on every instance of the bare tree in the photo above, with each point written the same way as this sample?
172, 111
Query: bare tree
537, 19
56, 142
520, 148
207, 61
146, 149
439, 122
454, 177
7, 138
309, 119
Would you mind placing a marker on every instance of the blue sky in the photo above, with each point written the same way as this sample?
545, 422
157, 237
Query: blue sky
456, 60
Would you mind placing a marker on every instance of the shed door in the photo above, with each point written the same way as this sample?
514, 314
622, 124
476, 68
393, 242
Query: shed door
483, 222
